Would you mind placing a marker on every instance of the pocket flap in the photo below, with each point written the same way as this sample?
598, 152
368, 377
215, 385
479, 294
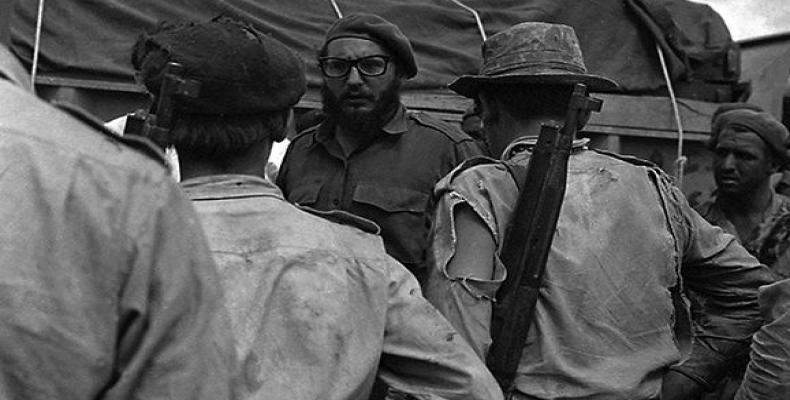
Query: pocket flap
392, 199
305, 194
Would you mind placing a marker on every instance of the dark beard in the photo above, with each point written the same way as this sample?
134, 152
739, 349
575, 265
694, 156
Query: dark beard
361, 123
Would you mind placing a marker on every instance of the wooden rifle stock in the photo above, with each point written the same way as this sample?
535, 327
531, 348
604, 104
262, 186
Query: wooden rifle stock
529, 236
157, 125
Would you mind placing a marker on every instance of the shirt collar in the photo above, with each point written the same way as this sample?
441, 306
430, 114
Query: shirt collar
218, 187
525, 144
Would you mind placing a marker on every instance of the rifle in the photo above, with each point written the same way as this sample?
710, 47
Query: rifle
528, 238
156, 126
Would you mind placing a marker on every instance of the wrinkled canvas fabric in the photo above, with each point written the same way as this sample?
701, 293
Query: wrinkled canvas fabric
318, 308
604, 326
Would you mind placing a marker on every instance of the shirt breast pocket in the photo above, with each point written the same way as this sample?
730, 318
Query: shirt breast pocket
391, 199
305, 195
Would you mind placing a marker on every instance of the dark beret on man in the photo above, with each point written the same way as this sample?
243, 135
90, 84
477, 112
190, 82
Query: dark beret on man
763, 124
374, 28
241, 70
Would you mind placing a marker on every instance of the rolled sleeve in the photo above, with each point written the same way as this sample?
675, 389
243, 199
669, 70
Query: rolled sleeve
464, 300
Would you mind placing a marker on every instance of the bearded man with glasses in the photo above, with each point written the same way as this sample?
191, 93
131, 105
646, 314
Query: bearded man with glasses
371, 156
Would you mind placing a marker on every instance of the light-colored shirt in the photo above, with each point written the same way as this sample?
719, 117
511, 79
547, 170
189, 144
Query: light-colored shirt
604, 325
318, 309
107, 288
768, 374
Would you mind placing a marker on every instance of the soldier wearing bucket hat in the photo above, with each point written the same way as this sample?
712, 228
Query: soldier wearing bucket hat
622, 229
284, 268
371, 156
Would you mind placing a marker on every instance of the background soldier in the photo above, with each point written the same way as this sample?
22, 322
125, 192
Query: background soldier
371, 156
605, 325
316, 306
748, 147
108, 289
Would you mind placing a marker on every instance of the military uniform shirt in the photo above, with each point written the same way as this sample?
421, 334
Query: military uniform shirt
770, 240
389, 182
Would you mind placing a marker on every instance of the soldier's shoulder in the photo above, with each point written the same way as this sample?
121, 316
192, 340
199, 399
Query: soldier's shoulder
138, 144
345, 219
306, 135
454, 133
627, 159
476, 172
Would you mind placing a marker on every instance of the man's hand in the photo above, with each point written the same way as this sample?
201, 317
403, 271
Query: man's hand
677, 386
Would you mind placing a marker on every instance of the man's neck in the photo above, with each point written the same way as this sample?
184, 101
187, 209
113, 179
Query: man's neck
755, 203
507, 130
251, 163
352, 139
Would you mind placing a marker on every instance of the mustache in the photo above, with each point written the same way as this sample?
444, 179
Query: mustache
353, 95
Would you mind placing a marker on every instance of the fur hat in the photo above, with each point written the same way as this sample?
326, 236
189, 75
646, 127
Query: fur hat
241, 70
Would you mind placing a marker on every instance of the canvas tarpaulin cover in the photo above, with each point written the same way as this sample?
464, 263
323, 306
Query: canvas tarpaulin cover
92, 39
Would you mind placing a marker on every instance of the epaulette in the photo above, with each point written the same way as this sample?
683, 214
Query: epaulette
453, 133
305, 133
344, 218
629, 159
138, 143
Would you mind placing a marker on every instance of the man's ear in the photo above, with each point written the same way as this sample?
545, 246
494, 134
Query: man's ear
486, 108
775, 167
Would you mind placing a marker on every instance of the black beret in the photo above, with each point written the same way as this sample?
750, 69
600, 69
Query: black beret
374, 28
241, 70
768, 128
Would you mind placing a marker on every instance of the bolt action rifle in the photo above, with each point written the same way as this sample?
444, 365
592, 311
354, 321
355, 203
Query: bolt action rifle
156, 126
528, 238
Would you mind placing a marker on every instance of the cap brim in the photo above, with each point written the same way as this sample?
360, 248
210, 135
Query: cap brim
470, 85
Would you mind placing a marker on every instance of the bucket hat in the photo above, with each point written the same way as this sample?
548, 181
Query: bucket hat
532, 53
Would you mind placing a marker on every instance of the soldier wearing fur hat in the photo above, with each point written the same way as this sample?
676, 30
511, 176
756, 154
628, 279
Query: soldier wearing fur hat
371, 156
316, 304
609, 321
749, 145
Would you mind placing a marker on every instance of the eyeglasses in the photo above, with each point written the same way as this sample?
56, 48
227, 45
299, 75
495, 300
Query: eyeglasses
334, 67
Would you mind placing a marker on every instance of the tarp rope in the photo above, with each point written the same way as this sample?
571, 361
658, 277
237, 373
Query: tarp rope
37, 44
680, 162
477, 18
336, 8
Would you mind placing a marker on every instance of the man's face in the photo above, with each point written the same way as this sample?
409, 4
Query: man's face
357, 97
742, 162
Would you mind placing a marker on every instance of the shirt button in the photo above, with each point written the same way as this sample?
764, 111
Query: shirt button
335, 202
